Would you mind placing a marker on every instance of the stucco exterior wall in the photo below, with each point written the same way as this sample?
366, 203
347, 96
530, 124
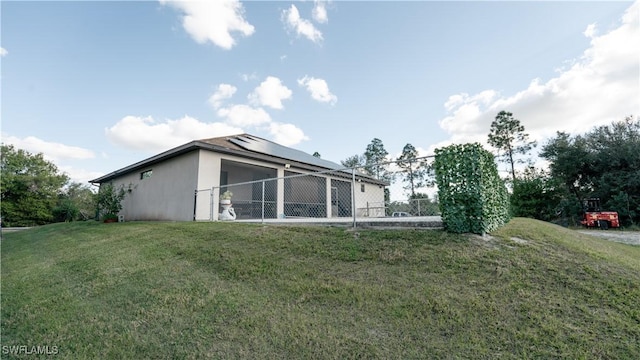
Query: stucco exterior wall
370, 202
208, 176
210, 167
167, 195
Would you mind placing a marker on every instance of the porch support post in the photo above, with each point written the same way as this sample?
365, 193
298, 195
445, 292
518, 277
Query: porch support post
353, 195
280, 200
328, 196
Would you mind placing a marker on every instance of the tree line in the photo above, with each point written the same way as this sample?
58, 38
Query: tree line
33, 191
414, 171
603, 163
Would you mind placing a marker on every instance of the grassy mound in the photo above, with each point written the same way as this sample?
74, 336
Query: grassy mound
228, 290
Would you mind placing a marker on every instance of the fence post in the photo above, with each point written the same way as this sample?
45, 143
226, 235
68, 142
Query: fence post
211, 204
353, 195
263, 201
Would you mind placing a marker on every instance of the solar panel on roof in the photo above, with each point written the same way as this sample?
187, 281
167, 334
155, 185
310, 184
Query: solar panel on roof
270, 148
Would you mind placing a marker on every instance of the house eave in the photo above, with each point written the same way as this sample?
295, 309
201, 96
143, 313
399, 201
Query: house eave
182, 149
200, 145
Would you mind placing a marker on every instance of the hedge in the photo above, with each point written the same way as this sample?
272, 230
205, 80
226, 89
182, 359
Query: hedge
471, 195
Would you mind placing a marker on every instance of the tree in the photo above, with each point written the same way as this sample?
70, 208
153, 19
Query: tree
571, 163
65, 210
413, 171
508, 135
316, 154
29, 187
536, 195
375, 161
355, 161
76, 202
603, 163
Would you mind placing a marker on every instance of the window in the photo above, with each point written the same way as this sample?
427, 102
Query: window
361, 187
146, 174
224, 178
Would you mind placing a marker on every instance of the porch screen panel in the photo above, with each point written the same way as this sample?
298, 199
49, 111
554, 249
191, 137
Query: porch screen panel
304, 196
341, 198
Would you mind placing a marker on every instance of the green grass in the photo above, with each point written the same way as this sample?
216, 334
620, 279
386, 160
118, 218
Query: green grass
230, 290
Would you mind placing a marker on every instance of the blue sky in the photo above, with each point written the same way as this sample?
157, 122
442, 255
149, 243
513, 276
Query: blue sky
98, 85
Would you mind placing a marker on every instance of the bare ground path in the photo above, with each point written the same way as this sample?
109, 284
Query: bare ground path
627, 237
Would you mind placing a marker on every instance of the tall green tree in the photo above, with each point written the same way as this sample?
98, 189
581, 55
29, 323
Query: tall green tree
376, 161
412, 170
508, 136
354, 161
571, 162
536, 195
29, 187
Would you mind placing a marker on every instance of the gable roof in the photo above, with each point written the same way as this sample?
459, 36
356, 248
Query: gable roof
242, 145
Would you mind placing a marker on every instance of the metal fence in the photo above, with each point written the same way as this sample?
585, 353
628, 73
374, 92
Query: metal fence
413, 207
346, 194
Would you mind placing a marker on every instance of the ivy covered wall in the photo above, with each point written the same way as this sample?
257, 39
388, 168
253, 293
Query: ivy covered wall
472, 196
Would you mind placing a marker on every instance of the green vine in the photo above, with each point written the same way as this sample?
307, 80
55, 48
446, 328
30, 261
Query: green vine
472, 196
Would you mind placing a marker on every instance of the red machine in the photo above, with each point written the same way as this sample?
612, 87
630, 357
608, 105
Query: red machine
594, 217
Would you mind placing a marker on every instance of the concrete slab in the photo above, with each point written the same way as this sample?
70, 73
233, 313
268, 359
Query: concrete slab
425, 222
14, 229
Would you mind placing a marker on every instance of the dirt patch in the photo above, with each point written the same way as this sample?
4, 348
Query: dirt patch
626, 237
519, 240
485, 240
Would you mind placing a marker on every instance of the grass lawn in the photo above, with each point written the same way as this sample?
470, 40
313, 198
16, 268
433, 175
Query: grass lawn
230, 290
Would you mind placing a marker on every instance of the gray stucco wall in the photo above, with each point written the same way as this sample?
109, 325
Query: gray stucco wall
167, 195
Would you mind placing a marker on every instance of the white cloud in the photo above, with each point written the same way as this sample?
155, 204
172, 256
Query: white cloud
51, 151
79, 175
244, 115
247, 77
143, 133
3, 52
303, 27
602, 86
224, 91
590, 31
286, 134
56, 153
318, 89
213, 21
270, 93
320, 12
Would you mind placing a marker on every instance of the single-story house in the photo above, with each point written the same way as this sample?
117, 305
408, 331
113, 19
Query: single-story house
267, 180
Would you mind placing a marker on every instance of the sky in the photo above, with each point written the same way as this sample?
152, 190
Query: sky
98, 85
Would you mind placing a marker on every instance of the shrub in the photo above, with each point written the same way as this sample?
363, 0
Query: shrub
471, 195
110, 200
